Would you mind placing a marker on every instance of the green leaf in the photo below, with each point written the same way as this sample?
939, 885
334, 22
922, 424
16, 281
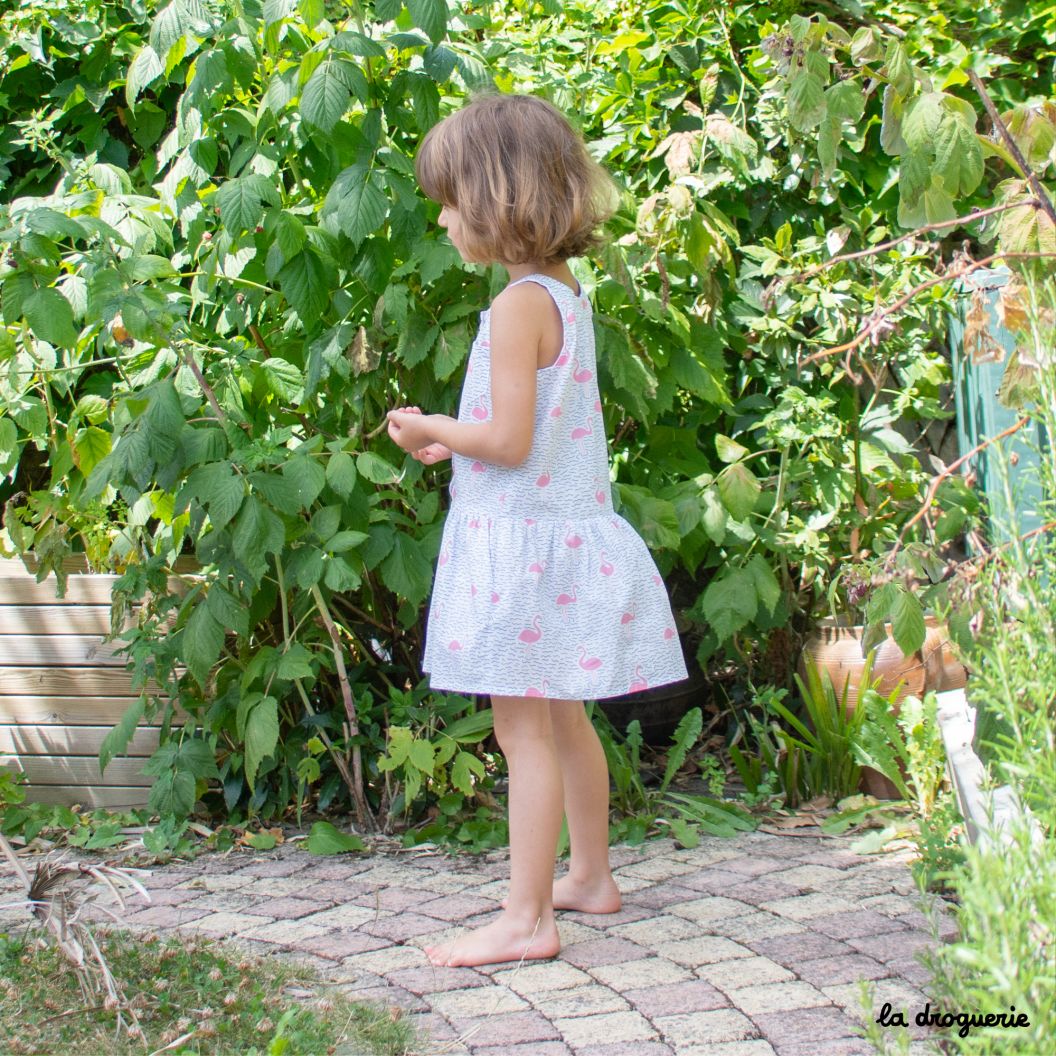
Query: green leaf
341, 473
421, 755
730, 602
144, 69
920, 126
283, 378
262, 735
766, 585
258, 531
907, 623
739, 490
218, 488
241, 201
116, 740
354, 205
465, 764
958, 156
729, 450
430, 16
325, 839
308, 475
303, 280
172, 793
295, 662
281, 491
806, 101
262, 841
325, 98
228, 611
406, 570
50, 317
374, 468
898, 69
203, 638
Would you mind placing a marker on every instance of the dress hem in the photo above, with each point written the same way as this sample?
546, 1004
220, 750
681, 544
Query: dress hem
506, 691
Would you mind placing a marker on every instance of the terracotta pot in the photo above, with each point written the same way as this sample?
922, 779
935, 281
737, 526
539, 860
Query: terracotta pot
835, 646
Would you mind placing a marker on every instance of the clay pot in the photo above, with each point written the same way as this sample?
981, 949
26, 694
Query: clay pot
835, 646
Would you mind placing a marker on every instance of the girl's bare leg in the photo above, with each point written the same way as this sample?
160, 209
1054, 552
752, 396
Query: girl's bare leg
526, 928
588, 885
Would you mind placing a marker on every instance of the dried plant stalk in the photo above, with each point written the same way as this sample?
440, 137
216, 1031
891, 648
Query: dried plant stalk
57, 895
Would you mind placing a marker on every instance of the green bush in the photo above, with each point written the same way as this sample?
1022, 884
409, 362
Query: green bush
218, 274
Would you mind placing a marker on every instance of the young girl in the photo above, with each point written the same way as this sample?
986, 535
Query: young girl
543, 596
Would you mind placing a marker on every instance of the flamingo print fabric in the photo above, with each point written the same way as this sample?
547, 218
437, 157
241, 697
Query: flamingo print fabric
541, 588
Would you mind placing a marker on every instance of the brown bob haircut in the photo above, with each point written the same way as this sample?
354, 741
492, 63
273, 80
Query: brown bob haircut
520, 176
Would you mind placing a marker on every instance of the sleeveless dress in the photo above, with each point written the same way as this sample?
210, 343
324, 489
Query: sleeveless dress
541, 589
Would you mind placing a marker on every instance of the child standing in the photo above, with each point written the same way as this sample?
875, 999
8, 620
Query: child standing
543, 595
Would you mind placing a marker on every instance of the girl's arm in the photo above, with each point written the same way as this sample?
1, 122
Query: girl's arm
518, 318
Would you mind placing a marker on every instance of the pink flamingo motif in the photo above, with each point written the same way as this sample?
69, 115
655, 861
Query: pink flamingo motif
564, 600
588, 663
639, 683
656, 579
669, 633
477, 467
581, 374
597, 406
494, 596
543, 479
474, 523
599, 494
570, 316
444, 557
529, 635
555, 412
537, 568
502, 499
628, 616
605, 568
581, 432
573, 541
531, 691
454, 645
472, 590
480, 411
561, 359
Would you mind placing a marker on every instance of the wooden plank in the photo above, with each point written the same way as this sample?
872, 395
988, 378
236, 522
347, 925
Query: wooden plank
77, 770
37, 680
25, 590
66, 619
88, 796
42, 710
25, 740
74, 563
61, 650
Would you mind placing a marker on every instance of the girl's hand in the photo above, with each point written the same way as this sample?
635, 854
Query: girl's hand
407, 429
431, 454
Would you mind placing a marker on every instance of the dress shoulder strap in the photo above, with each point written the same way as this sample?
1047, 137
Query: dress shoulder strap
555, 286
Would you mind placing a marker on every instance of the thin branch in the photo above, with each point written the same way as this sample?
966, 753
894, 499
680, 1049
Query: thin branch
1035, 184
363, 812
948, 472
188, 358
984, 557
884, 246
878, 316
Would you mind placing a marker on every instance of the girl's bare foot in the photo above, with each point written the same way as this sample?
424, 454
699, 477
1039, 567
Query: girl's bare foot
505, 939
595, 897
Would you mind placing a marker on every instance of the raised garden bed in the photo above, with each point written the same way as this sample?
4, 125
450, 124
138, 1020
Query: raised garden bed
62, 688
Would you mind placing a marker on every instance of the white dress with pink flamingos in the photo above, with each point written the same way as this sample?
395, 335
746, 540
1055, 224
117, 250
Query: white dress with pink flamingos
541, 588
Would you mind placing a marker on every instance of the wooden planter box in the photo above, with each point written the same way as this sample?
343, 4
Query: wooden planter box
62, 688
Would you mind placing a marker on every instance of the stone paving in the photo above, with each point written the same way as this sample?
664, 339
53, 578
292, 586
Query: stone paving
750, 946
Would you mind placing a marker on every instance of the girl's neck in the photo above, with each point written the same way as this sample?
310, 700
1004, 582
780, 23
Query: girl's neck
562, 272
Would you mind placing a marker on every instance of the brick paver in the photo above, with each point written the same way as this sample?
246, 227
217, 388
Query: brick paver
752, 946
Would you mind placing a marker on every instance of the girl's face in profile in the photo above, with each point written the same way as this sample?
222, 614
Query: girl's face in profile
450, 220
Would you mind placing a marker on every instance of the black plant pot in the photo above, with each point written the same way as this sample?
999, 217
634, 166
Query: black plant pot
658, 710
